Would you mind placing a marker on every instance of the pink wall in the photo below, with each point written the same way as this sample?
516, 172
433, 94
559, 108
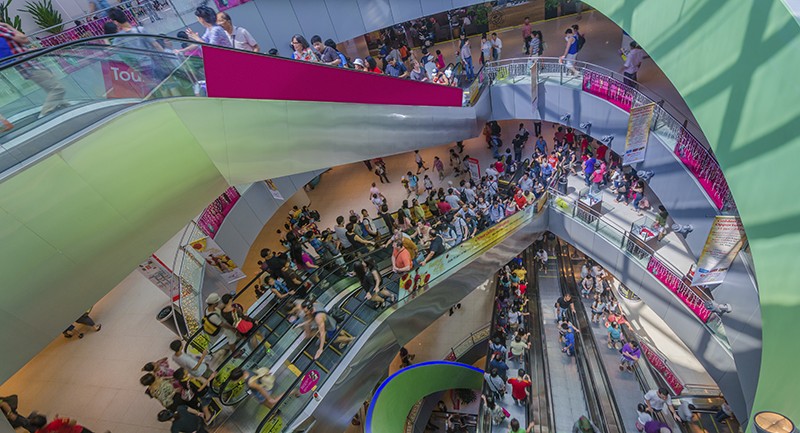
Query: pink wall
232, 74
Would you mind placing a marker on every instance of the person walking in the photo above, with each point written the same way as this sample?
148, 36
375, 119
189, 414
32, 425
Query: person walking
570, 51
466, 58
325, 327
527, 37
633, 62
486, 50
497, 47
420, 162
11, 43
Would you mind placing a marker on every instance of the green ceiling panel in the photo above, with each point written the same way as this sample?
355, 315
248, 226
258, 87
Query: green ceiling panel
736, 63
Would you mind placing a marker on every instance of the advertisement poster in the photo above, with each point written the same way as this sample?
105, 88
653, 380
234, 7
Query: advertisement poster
227, 4
209, 251
638, 133
309, 382
124, 81
474, 169
160, 275
274, 190
724, 241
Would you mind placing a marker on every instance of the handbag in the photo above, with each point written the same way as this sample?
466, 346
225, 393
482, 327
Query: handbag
506, 413
242, 324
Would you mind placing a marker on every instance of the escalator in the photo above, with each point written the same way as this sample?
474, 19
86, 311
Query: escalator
290, 356
136, 148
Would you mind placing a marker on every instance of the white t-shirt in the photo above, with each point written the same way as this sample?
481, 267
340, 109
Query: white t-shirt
542, 255
498, 44
655, 400
241, 39
188, 362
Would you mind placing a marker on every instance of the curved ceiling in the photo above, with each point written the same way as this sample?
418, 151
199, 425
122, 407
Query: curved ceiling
740, 83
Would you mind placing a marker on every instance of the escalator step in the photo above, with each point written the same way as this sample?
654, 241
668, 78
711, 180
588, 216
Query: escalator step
322, 367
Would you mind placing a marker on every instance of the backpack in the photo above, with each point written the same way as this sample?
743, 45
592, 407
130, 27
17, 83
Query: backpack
581, 41
463, 195
338, 315
343, 58
209, 327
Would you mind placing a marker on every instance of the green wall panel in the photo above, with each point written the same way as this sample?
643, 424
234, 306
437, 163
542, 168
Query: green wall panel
736, 63
401, 391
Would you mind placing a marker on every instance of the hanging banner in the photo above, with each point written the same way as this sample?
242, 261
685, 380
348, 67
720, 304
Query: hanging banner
474, 169
638, 133
161, 276
274, 190
309, 382
724, 241
214, 214
208, 250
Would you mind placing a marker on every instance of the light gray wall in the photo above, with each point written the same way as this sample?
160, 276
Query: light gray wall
719, 364
686, 205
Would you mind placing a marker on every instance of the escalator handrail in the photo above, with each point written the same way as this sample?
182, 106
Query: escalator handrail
571, 285
593, 406
533, 290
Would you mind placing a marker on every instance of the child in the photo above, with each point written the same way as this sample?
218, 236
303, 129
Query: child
643, 417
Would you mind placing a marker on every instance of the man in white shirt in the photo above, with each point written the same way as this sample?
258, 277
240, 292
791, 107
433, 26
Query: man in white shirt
633, 61
657, 400
240, 38
497, 47
195, 366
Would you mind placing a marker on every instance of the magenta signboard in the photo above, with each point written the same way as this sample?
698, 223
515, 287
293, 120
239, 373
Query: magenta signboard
608, 88
704, 167
676, 285
234, 74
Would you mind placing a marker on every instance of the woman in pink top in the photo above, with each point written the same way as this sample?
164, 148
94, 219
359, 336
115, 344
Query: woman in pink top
597, 177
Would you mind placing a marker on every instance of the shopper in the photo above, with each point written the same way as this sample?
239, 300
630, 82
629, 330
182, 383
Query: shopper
497, 412
260, 383
642, 416
656, 426
570, 51
564, 303
303, 51
498, 362
520, 386
58, 425
496, 384
214, 34
633, 62
240, 38
370, 279
466, 58
584, 425
319, 323
497, 47
327, 55
517, 348
658, 400
527, 36
8, 405
630, 354
197, 367
183, 420
83, 320
514, 427
11, 43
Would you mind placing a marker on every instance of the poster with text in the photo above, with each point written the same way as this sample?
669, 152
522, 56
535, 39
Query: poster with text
724, 241
638, 133
273, 189
124, 81
474, 169
208, 250
160, 275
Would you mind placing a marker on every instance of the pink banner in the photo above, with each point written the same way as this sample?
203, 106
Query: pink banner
212, 217
675, 284
227, 4
609, 89
704, 167
661, 366
234, 74
310, 380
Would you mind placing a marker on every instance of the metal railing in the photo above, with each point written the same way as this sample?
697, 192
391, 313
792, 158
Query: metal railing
627, 94
647, 258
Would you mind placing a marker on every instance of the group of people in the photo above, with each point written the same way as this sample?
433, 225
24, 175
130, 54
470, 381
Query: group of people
508, 344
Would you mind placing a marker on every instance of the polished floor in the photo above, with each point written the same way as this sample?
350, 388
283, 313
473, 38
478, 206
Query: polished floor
95, 379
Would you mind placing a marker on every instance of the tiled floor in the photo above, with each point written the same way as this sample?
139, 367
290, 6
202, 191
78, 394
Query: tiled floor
95, 379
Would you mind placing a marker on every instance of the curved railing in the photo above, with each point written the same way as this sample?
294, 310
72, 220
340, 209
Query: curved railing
647, 258
626, 94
